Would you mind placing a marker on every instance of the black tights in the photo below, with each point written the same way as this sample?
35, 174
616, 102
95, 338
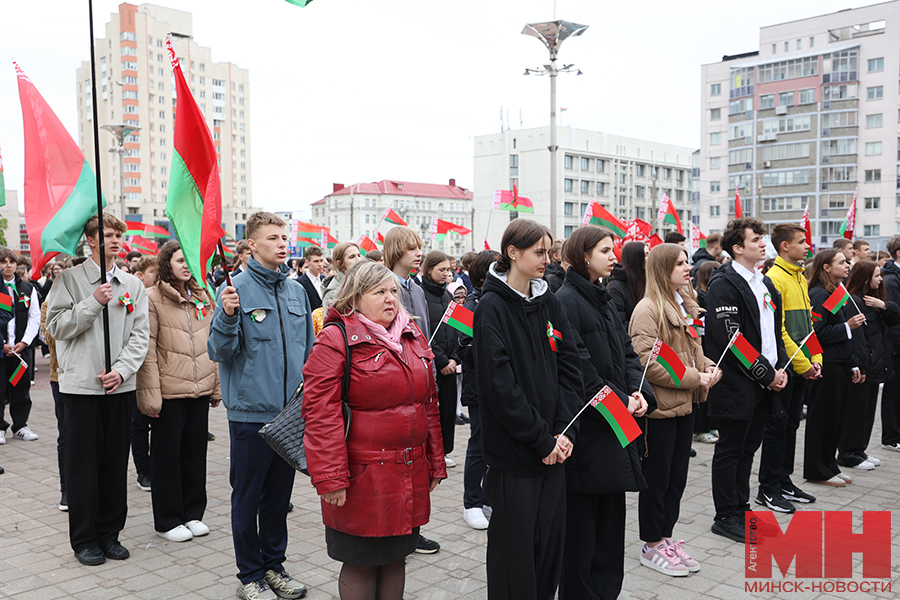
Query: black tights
385, 582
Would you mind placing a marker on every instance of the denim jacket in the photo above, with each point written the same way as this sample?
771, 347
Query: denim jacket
261, 350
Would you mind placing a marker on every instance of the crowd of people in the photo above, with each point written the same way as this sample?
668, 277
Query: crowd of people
385, 381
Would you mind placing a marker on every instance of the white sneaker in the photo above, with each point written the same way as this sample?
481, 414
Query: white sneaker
873, 460
864, 466
449, 462
488, 511
197, 528
255, 590
178, 534
894, 447
26, 434
847, 479
2, 436
474, 518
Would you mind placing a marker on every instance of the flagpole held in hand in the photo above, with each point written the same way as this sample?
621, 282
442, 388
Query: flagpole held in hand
730, 343
224, 264
647, 366
799, 346
578, 414
855, 305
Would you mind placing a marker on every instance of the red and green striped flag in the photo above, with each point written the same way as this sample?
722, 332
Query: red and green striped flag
17, 374
511, 200
440, 229
458, 317
744, 352
379, 238
194, 203
393, 218
60, 187
2, 184
597, 215
144, 246
812, 346
668, 360
816, 317
616, 414
554, 336
694, 326
668, 214
229, 253
849, 223
838, 298
6, 302
328, 240
366, 245
146, 230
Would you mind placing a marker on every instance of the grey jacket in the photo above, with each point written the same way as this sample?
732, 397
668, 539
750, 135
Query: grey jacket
73, 319
413, 299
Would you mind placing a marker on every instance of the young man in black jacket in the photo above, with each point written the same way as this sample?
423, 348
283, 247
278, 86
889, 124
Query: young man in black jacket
890, 394
741, 298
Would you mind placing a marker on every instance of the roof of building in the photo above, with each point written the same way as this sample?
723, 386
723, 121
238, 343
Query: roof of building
403, 188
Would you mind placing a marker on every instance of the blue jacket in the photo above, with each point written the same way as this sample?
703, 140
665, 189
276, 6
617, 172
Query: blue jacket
261, 358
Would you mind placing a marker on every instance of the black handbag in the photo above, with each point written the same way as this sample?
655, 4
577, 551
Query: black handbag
285, 433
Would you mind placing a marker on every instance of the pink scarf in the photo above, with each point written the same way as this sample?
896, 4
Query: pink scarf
389, 337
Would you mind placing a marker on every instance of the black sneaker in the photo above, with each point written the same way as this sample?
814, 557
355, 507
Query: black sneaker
730, 527
210, 437
774, 502
143, 481
426, 546
64, 503
794, 494
693, 453
459, 420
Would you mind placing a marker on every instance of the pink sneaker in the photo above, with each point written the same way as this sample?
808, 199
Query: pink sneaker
692, 565
662, 558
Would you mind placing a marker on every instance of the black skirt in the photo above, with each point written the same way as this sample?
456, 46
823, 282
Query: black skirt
369, 551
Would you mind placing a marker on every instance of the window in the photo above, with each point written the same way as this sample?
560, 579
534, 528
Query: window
667, 173
736, 107
568, 185
873, 203
742, 130
639, 191
812, 41
601, 188
623, 179
785, 151
875, 92
785, 203
715, 114
715, 186
585, 164
789, 69
583, 208
766, 102
513, 164
838, 147
567, 209
871, 230
873, 148
799, 44
715, 162
715, 89
840, 92
714, 211
842, 173
796, 177
873, 121
839, 119
786, 125
876, 64
786, 99
585, 187
742, 81
737, 157
774, 48
567, 230
716, 138
873, 175
840, 66
807, 96
639, 170
569, 161
787, 46
601, 166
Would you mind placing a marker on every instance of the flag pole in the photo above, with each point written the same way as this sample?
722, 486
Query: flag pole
578, 414
799, 346
855, 305
647, 366
224, 264
101, 245
730, 342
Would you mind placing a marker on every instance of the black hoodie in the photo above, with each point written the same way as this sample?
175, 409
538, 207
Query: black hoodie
469, 395
527, 393
700, 256
891, 273
621, 293
555, 276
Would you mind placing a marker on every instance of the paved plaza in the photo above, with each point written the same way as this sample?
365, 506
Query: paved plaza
36, 561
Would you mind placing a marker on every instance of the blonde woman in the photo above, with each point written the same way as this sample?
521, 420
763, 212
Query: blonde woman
668, 429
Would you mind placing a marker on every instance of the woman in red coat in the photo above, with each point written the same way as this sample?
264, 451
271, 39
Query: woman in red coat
374, 486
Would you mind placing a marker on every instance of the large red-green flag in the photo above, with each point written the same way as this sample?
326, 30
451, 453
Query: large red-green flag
145, 229
60, 187
2, 184
391, 217
511, 200
440, 229
366, 244
194, 203
597, 215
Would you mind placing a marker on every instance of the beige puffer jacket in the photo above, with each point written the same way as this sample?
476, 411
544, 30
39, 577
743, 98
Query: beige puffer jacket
671, 400
177, 363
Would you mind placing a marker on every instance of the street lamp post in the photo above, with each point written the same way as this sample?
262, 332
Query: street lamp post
552, 34
121, 131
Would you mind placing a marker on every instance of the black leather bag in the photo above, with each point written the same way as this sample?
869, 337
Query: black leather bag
285, 433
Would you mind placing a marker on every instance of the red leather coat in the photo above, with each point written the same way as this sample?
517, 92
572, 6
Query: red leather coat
395, 447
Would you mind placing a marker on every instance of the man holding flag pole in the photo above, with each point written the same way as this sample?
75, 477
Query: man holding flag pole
744, 313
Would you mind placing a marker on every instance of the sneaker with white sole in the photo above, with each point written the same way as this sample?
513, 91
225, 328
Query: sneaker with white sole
449, 462
2, 436
864, 466
705, 438
474, 518
775, 502
255, 590
847, 479
26, 434
894, 447
662, 558
692, 565
873, 460
176, 534
197, 528
284, 585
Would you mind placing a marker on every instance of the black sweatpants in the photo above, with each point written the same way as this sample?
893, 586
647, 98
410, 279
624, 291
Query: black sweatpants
857, 423
825, 406
17, 396
447, 408
890, 406
779, 445
140, 442
59, 407
178, 462
96, 432
526, 535
739, 439
594, 560
665, 454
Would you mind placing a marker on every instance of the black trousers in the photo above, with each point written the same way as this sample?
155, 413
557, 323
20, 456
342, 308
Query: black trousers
825, 407
739, 439
473, 475
447, 408
96, 441
702, 421
857, 423
594, 560
178, 462
779, 445
890, 406
526, 535
140, 442
59, 407
17, 396
665, 454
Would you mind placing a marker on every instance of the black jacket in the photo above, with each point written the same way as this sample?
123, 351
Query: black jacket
621, 295
445, 344
891, 273
731, 305
315, 300
598, 463
527, 393
555, 276
832, 330
469, 395
870, 341
700, 256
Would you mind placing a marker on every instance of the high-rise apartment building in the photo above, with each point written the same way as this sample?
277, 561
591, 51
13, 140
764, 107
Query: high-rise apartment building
136, 87
807, 120
626, 176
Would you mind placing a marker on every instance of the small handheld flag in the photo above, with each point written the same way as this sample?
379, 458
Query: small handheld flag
617, 415
838, 298
6, 302
668, 360
17, 374
812, 346
744, 351
459, 317
816, 317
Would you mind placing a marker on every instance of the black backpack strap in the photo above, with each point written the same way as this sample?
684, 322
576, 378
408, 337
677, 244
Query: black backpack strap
345, 380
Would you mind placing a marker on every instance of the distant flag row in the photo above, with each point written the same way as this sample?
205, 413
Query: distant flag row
512, 201
850, 220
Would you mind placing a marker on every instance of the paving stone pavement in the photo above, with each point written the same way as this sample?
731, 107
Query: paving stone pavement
36, 561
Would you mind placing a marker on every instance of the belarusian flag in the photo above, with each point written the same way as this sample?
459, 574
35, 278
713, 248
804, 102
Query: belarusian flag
304, 227
17, 374
838, 298
366, 244
638, 230
698, 240
668, 214
328, 240
144, 245
379, 238
511, 200
805, 224
812, 346
616, 414
2, 184
229, 253
440, 229
738, 209
654, 241
816, 317
145, 229
393, 218
669, 361
597, 215
850, 220
60, 187
458, 317
745, 352
194, 203
5, 301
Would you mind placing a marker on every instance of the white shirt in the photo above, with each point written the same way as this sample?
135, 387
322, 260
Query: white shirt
34, 317
316, 283
766, 315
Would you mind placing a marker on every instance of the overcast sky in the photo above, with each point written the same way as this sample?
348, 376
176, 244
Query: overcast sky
362, 90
